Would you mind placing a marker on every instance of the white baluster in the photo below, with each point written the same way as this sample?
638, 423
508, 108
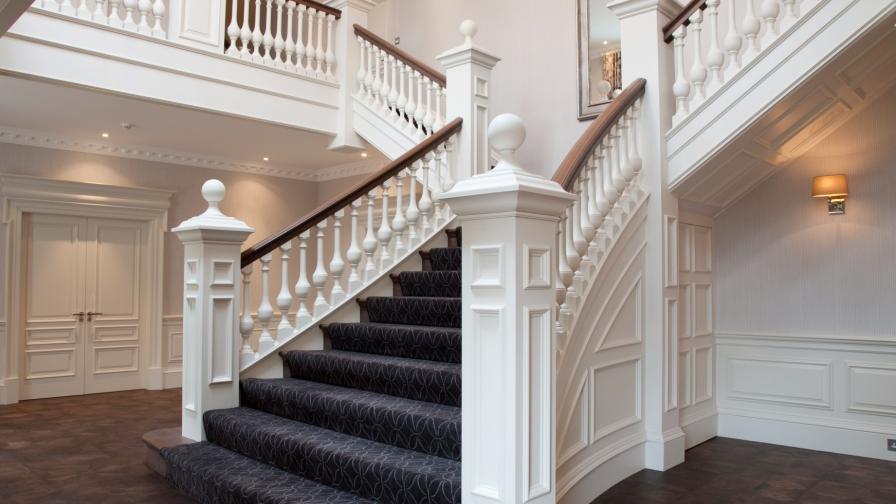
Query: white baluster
578, 237
129, 23
303, 288
439, 121
625, 166
377, 80
715, 58
354, 253
768, 11
290, 45
681, 88
257, 36
634, 130
411, 107
284, 298
384, 234
115, 14
145, 7
370, 242
594, 215
310, 52
421, 107
698, 69
790, 15
413, 212
609, 186
99, 12
600, 195
437, 190
68, 8
50, 5
585, 206
751, 28
83, 10
447, 172
425, 199
385, 89
330, 56
268, 38
733, 41
337, 265
300, 39
245, 33
573, 259
618, 179
428, 118
158, 12
265, 310
361, 76
401, 102
368, 80
233, 30
565, 272
320, 54
393, 94
279, 42
321, 306
247, 325
399, 223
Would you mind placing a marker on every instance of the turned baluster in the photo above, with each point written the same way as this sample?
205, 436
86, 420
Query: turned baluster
145, 7
320, 276
158, 12
634, 129
751, 28
437, 190
50, 5
715, 58
413, 212
247, 325
83, 10
257, 36
99, 12
310, 53
393, 94
354, 254
399, 223
115, 14
426, 206
733, 41
447, 173
284, 297
790, 15
573, 259
428, 119
768, 11
377, 77
625, 164
618, 179
68, 8
600, 196
330, 56
303, 287
369, 244
411, 107
368, 80
337, 264
268, 38
594, 214
578, 237
698, 69
585, 205
564, 276
439, 121
265, 310
384, 234
421, 107
245, 33
290, 45
233, 31
401, 102
385, 89
320, 55
279, 42
300, 38
609, 186
681, 88
129, 23
361, 76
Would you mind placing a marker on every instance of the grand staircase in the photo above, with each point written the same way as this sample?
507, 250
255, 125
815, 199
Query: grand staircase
374, 418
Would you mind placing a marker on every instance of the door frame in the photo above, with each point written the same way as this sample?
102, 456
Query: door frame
21, 195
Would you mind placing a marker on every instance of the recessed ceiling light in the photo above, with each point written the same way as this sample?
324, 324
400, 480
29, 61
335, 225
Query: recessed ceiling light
105, 135
606, 42
267, 158
363, 154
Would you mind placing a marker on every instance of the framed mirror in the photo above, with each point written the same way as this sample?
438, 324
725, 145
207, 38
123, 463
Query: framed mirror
600, 58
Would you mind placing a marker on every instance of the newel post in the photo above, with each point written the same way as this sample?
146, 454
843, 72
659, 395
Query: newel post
468, 72
510, 219
212, 340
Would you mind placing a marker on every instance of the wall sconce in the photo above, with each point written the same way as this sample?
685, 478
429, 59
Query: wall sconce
835, 189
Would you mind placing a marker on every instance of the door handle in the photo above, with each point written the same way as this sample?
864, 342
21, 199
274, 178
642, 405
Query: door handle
80, 316
91, 314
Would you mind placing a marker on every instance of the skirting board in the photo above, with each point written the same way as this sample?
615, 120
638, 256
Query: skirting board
172, 379
700, 431
790, 432
607, 474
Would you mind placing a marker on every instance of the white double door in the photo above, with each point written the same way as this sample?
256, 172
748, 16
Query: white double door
82, 285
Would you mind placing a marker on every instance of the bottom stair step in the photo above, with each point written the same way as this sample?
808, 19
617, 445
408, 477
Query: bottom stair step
211, 474
387, 474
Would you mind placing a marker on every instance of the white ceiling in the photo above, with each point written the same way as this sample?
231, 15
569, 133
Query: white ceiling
843, 88
65, 116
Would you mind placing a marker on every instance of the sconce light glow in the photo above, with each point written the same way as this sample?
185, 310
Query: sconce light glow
835, 189
364, 154
266, 158
105, 135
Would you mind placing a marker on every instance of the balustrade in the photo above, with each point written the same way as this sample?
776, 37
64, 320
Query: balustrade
140, 16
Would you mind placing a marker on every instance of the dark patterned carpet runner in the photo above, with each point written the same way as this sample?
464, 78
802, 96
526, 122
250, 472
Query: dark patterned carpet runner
374, 419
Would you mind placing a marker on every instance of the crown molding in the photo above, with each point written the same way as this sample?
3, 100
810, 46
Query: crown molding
53, 141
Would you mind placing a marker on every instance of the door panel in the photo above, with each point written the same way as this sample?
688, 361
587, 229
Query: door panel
54, 262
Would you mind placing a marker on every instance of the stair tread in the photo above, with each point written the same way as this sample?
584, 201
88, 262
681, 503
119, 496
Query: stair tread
415, 310
415, 425
363, 467
442, 344
416, 379
212, 474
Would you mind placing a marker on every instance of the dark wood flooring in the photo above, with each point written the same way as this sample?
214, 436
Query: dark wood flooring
84, 449
723, 471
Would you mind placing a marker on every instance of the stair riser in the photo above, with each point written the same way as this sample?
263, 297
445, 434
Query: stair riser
434, 312
435, 344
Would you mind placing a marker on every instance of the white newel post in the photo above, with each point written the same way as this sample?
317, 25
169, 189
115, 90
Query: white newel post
197, 23
648, 56
348, 58
212, 305
510, 219
468, 71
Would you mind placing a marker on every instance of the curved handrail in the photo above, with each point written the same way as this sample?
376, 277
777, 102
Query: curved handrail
682, 19
321, 7
423, 68
341, 201
569, 169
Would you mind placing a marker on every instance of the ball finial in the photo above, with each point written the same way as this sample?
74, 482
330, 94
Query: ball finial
506, 134
469, 29
213, 192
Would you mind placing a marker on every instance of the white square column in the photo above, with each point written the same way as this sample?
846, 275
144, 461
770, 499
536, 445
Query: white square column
211, 369
510, 220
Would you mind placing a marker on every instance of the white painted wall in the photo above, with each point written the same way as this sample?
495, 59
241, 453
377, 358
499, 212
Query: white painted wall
806, 327
537, 77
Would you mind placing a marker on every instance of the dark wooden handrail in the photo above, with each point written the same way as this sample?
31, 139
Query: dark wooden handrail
321, 7
569, 169
682, 19
341, 201
423, 68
